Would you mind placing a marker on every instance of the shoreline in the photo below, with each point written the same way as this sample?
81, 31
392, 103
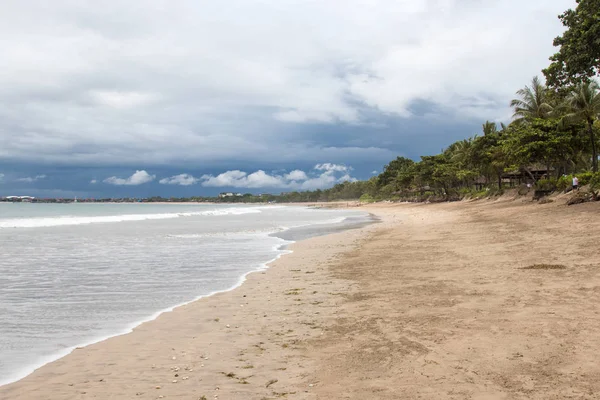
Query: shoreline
134, 325
63, 376
283, 248
466, 300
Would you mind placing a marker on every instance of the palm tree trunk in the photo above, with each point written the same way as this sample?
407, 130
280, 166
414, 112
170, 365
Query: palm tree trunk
594, 151
530, 174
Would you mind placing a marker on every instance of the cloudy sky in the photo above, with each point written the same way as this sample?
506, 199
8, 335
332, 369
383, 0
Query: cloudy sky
160, 97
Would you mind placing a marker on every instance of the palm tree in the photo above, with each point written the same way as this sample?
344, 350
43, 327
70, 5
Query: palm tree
460, 152
489, 128
583, 105
533, 102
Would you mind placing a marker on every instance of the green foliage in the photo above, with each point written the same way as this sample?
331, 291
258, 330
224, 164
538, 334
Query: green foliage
366, 198
583, 105
595, 181
553, 132
537, 142
489, 128
578, 56
398, 170
474, 193
584, 177
533, 102
566, 181
547, 184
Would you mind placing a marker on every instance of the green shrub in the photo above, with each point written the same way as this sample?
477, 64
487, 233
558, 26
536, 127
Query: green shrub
494, 191
585, 178
469, 194
547, 184
595, 181
564, 182
479, 194
366, 198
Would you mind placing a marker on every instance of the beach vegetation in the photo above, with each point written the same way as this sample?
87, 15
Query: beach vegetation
578, 56
553, 136
583, 105
533, 102
547, 184
366, 198
595, 181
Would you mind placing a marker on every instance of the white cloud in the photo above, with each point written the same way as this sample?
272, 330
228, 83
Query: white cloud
347, 178
322, 176
374, 172
296, 175
30, 179
120, 99
236, 178
181, 179
122, 80
1, 177
229, 178
93, 181
323, 181
332, 167
138, 178
262, 179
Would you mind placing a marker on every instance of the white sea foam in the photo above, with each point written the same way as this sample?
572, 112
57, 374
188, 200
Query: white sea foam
81, 220
21, 373
268, 231
71, 287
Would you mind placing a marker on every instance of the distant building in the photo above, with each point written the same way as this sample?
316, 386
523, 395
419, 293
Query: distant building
22, 199
226, 194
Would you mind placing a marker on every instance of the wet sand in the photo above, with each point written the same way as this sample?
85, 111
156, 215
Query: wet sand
435, 302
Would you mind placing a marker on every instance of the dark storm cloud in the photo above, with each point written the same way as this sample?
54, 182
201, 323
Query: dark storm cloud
239, 84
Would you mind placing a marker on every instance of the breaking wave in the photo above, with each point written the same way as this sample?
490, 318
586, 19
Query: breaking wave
80, 220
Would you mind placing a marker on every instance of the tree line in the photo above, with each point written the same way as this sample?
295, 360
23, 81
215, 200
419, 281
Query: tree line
555, 130
553, 136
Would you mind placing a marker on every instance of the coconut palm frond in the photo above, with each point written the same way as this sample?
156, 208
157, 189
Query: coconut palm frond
489, 128
583, 102
532, 102
583, 105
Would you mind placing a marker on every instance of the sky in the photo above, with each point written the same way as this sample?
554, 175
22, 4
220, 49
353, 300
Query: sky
182, 98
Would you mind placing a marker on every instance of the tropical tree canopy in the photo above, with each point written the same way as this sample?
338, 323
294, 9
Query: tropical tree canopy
489, 128
554, 132
578, 57
583, 105
533, 102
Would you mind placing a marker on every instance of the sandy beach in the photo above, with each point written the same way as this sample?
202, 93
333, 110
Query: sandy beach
467, 300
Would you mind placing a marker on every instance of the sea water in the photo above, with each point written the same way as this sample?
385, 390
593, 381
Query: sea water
75, 274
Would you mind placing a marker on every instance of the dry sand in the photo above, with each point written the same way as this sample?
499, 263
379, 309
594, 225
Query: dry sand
435, 302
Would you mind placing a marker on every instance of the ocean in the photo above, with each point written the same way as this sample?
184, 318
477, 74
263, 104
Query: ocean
75, 274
